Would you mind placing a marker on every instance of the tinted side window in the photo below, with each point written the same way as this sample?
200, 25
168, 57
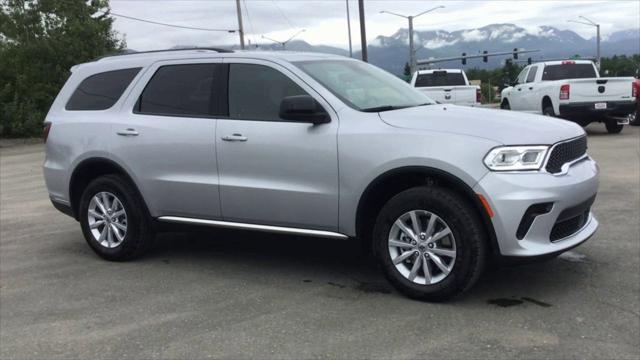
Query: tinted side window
101, 91
256, 91
532, 74
180, 90
440, 78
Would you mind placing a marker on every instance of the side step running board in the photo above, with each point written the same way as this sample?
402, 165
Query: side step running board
245, 226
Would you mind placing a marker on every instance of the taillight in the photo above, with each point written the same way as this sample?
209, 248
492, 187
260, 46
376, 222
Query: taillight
478, 95
634, 89
45, 131
565, 91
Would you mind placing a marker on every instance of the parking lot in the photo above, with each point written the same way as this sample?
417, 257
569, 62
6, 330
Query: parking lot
231, 294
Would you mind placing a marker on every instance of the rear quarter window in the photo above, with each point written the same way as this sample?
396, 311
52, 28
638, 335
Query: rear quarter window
100, 91
568, 71
440, 78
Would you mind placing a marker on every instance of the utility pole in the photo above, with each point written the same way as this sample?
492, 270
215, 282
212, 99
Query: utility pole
412, 50
240, 29
363, 32
592, 23
349, 29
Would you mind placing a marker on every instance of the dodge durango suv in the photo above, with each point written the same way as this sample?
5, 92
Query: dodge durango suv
317, 145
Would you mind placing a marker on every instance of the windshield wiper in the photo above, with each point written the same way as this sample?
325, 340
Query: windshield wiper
383, 108
391, 107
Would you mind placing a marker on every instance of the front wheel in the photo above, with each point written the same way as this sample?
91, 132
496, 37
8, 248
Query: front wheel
430, 243
504, 105
612, 126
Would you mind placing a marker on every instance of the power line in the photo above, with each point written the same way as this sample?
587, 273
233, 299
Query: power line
283, 14
169, 25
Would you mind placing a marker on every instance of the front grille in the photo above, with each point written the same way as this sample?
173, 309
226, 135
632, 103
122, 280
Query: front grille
571, 220
566, 152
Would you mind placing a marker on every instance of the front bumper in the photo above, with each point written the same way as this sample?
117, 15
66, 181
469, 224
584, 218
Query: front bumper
588, 111
511, 194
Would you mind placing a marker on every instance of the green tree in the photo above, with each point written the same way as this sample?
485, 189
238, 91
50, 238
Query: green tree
40, 40
407, 72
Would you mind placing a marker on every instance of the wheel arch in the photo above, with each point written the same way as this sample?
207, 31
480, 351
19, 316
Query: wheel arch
393, 181
546, 100
90, 169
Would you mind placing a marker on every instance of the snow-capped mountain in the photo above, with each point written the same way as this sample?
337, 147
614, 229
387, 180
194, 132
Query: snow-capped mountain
390, 52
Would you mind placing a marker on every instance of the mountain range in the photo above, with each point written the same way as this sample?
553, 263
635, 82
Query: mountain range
391, 52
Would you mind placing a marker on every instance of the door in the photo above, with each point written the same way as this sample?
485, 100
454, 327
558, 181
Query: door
518, 94
273, 171
166, 138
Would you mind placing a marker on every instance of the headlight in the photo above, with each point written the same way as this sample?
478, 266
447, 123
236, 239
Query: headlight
513, 158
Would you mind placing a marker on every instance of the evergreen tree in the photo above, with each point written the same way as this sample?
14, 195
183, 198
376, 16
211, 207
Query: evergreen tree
39, 42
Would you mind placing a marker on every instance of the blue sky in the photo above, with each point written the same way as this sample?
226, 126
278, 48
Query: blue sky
325, 21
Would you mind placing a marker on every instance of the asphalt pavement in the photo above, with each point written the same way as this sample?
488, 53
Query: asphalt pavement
233, 294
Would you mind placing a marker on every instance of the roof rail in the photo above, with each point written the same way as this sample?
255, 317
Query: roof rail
130, 52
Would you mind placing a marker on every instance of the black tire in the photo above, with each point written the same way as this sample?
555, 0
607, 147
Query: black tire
504, 105
548, 111
612, 126
139, 234
635, 119
465, 225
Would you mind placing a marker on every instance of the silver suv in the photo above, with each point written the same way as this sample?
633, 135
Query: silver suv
318, 145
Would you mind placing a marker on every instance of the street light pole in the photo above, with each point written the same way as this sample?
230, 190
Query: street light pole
592, 23
412, 50
284, 43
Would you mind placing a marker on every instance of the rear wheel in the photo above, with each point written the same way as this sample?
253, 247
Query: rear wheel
612, 126
114, 219
634, 119
430, 243
548, 111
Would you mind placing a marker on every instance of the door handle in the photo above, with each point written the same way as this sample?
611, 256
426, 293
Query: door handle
128, 132
234, 137
531, 88
519, 89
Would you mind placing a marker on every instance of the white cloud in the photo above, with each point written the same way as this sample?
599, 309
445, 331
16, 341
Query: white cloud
325, 20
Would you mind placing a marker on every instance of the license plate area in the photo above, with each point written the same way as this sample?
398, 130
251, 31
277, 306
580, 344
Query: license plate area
600, 106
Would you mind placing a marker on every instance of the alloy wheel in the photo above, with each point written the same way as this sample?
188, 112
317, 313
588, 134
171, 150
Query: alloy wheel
422, 247
107, 219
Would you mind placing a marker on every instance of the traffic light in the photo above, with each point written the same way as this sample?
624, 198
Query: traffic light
464, 58
529, 61
515, 54
485, 58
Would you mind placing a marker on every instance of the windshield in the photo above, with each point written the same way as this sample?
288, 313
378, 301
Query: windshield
362, 86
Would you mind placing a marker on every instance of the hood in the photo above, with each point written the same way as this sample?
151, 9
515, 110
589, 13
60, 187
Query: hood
505, 127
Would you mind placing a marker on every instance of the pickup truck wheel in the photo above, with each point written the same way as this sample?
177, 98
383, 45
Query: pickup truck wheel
430, 243
613, 127
634, 119
548, 111
114, 219
504, 105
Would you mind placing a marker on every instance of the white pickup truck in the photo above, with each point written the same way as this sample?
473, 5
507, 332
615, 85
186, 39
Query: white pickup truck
572, 90
447, 86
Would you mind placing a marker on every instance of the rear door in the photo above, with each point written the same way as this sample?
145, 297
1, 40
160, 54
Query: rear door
165, 138
274, 171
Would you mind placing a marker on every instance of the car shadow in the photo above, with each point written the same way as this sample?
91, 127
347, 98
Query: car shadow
345, 265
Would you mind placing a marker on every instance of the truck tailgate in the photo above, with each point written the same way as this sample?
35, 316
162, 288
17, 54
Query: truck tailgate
451, 94
600, 89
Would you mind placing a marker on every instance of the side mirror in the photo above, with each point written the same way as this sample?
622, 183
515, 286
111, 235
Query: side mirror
303, 108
